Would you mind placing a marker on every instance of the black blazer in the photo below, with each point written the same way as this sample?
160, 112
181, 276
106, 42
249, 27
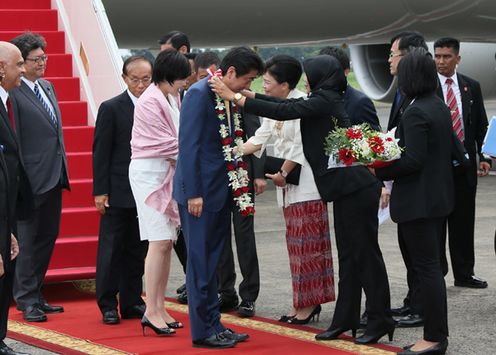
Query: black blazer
423, 178
360, 108
316, 112
255, 165
112, 151
5, 215
474, 122
396, 112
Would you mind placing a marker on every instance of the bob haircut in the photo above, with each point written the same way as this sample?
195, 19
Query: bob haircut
170, 66
244, 60
417, 74
285, 69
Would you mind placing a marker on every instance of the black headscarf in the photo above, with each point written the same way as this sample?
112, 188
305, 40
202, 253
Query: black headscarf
324, 73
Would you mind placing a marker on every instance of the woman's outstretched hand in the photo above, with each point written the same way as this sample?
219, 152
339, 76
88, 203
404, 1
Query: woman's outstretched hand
220, 88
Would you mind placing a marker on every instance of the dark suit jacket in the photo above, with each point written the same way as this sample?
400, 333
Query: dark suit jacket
5, 215
255, 165
474, 122
20, 194
42, 144
201, 170
316, 113
360, 108
396, 112
112, 151
423, 178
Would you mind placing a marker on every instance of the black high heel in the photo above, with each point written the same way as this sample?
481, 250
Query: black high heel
437, 349
159, 331
374, 338
315, 313
285, 318
332, 334
175, 325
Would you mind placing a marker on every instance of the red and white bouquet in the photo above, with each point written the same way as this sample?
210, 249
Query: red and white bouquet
361, 145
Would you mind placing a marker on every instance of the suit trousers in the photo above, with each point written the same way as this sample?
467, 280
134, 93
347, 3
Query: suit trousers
180, 249
36, 237
422, 239
246, 248
460, 224
205, 238
360, 262
120, 261
6, 283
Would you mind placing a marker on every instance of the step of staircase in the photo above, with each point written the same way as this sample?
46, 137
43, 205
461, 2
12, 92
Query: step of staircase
74, 113
25, 4
81, 194
79, 221
59, 65
80, 165
28, 20
67, 89
55, 39
78, 139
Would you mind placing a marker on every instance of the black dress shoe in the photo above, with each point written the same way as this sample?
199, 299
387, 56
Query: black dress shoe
214, 342
232, 335
471, 282
181, 289
228, 304
111, 317
332, 334
401, 311
48, 308
34, 314
374, 338
134, 312
246, 309
285, 319
410, 321
5, 350
438, 349
183, 297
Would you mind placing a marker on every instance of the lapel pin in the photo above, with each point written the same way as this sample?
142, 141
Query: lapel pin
465, 88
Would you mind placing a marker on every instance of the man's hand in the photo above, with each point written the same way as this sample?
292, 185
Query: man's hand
2, 270
14, 247
484, 168
101, 202
260, 185
195, 206
385, 195
278, 179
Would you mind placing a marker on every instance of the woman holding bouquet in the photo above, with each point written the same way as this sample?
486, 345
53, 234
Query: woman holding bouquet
422, 194
354, 190
307, 221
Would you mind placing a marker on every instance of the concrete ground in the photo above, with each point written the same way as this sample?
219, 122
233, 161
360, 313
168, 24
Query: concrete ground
472, 312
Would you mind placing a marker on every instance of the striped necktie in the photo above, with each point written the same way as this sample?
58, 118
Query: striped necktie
45, 105
455, 113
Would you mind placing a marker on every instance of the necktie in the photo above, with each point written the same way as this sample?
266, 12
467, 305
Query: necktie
397, 98
45, 105
10, 113
455, 113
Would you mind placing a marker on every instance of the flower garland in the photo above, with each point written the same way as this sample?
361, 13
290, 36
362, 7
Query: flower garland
236, 168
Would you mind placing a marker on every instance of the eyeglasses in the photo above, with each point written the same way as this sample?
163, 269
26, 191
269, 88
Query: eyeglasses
393, 55
136, 81
42, 58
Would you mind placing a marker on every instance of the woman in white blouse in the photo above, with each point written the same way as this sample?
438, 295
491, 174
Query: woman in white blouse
307, 223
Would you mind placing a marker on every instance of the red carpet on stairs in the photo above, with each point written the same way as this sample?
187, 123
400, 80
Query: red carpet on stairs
80, 330
75, 251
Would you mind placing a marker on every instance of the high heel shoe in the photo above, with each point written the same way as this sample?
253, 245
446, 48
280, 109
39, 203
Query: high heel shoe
285, 318
175, 325
437, 349
315, 314
332, 334
374, 338
159, 331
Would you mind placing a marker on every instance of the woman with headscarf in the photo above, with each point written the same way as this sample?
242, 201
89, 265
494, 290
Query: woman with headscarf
354, 190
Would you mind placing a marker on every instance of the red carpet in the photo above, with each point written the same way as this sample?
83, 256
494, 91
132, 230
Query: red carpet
80, 330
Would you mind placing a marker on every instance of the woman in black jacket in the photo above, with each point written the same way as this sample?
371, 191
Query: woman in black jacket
422, 194
354, 191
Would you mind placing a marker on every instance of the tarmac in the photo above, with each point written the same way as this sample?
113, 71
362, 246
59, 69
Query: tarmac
471, 312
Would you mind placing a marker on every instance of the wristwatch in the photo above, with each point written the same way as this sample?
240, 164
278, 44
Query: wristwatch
237, 97
283, 173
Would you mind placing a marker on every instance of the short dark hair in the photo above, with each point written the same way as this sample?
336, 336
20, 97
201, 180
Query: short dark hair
409, 40
243, 59
177, 39
206, 59
190, 56
338, 53
170, 66
285, 69
27, 42
448, 42
132, 59
417, 74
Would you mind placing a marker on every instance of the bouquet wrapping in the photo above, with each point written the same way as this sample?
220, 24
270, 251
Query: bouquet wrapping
361, 145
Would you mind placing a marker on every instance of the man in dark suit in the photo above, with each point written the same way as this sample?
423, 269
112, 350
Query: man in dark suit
121, 253
14, 188
463, 95
411, 311
39, 129
177, 40
201, 188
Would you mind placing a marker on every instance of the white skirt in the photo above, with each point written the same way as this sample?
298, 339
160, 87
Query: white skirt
145, 176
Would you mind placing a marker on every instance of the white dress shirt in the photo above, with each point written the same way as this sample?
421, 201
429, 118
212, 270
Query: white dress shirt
4, 95
42, 92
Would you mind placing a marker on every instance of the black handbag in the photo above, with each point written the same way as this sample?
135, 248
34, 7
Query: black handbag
273, 165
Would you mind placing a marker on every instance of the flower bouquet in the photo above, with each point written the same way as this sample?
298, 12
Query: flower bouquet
361, 145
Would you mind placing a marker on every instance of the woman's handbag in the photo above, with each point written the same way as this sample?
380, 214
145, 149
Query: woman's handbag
273, 165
